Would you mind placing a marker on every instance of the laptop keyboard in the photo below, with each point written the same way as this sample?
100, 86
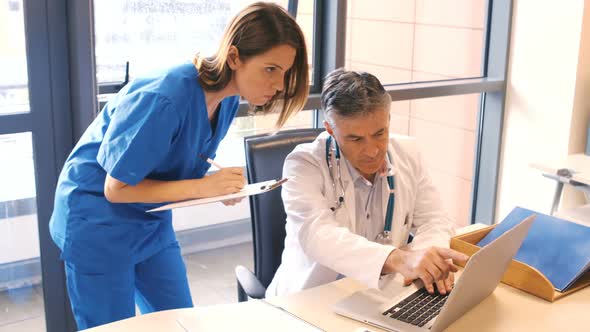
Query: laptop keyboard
418, 308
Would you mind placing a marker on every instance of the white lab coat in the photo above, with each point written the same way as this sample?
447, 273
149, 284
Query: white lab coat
321, 244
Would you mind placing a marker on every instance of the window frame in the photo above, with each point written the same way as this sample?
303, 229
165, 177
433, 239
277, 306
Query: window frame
329, 52
63, 100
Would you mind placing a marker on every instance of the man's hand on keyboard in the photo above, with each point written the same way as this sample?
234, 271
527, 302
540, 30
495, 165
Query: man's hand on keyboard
442, 285
432, 266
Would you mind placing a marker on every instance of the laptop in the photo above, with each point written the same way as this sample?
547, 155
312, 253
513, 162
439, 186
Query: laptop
414, 309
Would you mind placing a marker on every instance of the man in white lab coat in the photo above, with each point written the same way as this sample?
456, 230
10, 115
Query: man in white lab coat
336, 215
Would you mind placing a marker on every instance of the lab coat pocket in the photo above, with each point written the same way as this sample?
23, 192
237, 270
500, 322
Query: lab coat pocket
341, 216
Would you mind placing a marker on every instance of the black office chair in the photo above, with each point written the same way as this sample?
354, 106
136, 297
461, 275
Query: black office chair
265, 156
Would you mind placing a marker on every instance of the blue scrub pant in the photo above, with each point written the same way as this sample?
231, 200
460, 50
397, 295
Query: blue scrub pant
157, 283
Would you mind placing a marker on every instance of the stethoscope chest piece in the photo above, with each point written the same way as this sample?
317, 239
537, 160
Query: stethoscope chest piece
383, 237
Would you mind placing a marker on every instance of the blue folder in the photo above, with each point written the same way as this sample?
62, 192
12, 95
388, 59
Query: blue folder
557, 248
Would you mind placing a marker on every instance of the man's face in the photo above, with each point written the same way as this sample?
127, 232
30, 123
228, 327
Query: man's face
363, 139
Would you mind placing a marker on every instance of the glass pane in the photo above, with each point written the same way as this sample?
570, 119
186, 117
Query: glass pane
159, 34
231, 149
21, 293
14, 93
416, 40
305, 19
446, 131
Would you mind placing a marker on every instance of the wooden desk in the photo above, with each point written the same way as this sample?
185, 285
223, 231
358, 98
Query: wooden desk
507, 309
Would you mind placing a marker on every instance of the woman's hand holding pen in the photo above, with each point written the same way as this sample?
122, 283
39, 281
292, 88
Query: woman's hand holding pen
234, 201
227, 180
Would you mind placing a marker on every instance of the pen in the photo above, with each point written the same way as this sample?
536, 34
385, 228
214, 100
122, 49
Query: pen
274, 185
210, 161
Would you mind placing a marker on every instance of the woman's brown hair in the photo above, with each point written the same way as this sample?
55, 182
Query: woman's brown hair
253, 31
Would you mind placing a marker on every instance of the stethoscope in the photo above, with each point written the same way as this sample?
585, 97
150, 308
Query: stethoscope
383, 237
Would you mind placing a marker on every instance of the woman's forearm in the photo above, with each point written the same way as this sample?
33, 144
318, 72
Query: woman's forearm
153, 191
225, 181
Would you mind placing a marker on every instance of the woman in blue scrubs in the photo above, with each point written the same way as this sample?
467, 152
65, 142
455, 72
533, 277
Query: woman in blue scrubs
142, 151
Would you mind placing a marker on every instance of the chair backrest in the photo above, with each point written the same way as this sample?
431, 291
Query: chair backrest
265, 156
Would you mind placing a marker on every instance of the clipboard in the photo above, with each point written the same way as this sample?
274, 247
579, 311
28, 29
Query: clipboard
248, 190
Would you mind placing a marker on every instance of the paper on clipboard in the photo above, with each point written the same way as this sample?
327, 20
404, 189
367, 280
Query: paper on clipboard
248, 190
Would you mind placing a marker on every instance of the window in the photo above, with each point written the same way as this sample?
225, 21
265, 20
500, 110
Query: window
231, 149
446, 132
14, 94
418, 40
21, 292
433, 58
155, 35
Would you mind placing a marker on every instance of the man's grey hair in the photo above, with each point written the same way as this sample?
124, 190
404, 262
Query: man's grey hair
351, 94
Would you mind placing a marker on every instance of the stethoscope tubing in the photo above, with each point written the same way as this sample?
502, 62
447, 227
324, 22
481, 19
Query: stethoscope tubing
340, 199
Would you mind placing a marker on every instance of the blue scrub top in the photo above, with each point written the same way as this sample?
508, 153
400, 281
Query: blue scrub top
154, 128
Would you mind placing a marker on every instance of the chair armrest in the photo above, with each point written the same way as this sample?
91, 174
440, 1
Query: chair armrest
250, 284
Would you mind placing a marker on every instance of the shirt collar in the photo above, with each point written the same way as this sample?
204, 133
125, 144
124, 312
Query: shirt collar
356, 176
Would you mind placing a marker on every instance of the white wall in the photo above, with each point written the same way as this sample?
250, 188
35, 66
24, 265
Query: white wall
544, 101
581, 110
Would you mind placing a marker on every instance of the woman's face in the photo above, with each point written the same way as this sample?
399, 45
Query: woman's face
260, 77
